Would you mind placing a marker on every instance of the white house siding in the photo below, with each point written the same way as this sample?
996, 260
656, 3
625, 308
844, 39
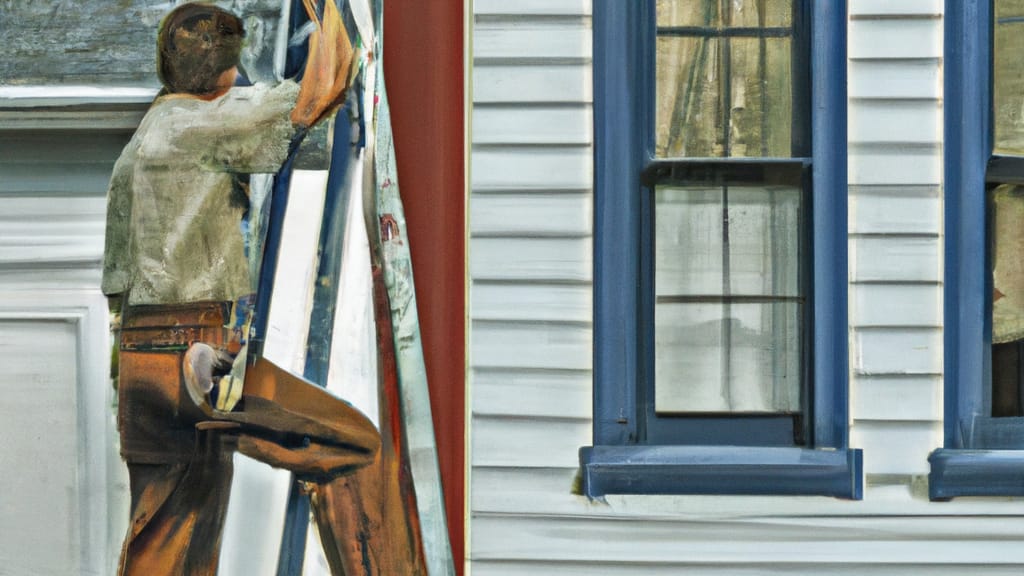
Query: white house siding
531, 379
65, 491
895, 167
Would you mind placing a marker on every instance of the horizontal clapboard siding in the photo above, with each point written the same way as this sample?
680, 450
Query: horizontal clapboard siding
523, 393
895, 52
553, 124
534, 9
531, 297
55, 231
521, 301
895, 258
540, 493
531, 259
53, 185
897, 79
59, 162
881, 209
539, 345
531, 227
895, 169
892, 304
498, 168
532, 83
888, 8
767, 544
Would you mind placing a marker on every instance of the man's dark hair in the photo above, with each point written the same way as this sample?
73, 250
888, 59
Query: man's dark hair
196, 43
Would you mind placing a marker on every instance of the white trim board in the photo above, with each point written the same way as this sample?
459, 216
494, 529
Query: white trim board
61, 95
102, 481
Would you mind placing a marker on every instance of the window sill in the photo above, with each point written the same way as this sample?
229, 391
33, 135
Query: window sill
721, 470
975, 473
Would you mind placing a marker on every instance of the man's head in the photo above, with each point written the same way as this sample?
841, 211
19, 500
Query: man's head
196, 45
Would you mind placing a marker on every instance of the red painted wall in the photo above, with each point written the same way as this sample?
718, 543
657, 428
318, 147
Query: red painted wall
423, 67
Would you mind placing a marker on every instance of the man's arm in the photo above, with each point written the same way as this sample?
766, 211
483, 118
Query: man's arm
328, 67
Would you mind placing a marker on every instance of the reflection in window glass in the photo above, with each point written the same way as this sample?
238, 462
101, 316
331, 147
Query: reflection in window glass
1008, 77
1007, 205
689, 103
728, 299
760, 97
742, 13
1007, 241
724, 90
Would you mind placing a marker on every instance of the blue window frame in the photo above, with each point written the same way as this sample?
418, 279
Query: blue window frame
636, 449
981, 455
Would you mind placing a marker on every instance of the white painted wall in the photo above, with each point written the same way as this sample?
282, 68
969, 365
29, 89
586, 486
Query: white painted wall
63, 506
530, 293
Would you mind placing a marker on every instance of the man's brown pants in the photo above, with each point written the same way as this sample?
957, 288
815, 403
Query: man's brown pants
179, 455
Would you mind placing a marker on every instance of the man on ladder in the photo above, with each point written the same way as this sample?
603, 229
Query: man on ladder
175, 267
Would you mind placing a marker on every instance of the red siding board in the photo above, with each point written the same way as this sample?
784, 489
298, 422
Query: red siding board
423, 65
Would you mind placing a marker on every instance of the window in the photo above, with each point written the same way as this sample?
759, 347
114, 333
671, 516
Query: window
984, 316
720, 249
1005, 177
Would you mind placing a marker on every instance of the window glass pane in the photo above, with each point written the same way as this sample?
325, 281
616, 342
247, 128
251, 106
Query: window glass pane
689, 13
761, 97
759, 13
1008, 77
727, 357
1006, 379
688, 241
741, 13
706, 84
1007, 245
760, 246
689, 102
728, 303
1007, 264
